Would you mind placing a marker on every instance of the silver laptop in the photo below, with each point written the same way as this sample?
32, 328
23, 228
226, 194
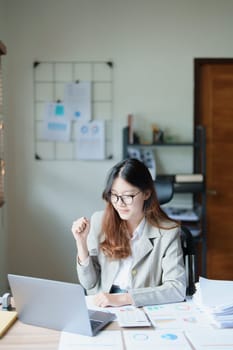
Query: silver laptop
57, 305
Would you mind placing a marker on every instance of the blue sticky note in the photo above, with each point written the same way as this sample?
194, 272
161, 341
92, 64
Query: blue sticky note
59, 110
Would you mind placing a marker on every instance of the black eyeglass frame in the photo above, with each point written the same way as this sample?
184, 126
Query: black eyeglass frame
123, 197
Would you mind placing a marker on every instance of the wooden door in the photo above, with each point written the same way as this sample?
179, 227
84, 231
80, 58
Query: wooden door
214, 110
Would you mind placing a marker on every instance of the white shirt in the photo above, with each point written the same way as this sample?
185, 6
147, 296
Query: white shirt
123, 278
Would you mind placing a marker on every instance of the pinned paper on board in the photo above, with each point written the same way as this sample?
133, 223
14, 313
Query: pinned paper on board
77, 99
56, 124
90, 140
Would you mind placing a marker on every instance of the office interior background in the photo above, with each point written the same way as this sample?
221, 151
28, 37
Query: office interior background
152, 44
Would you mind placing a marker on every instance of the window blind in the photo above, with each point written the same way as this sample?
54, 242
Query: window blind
2, 163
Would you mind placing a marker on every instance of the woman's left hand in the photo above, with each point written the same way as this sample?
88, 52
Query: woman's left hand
108, 299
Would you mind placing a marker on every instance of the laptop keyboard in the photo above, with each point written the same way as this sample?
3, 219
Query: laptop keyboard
95, 324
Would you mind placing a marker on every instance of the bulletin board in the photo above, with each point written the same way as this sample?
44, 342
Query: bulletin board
49, 81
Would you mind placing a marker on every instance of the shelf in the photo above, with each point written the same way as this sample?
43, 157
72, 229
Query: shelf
197, 143
195, 188
189, 187
166, 144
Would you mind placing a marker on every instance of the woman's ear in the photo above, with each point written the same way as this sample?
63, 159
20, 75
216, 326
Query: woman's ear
147, 194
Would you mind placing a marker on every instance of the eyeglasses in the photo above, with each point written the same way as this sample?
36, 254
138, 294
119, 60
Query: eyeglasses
127, 199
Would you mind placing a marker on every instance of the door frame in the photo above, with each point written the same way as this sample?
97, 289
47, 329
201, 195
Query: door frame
198, 63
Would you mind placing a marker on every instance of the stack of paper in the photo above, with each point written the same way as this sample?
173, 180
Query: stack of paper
215, 297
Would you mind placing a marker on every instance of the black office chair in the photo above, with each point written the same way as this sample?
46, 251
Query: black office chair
165, 191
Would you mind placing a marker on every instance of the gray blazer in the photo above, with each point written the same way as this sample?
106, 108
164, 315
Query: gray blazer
158, 273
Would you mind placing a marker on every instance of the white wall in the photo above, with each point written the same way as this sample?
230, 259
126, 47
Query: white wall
153, 44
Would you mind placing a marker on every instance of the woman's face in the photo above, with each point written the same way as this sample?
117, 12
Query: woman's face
128, 200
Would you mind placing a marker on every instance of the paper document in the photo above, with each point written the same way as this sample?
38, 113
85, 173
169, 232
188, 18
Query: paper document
56, 125
151, 340
107, 340
90, 140
132, 317
220, 339
112, 309
91, 305
78, 100
185, 315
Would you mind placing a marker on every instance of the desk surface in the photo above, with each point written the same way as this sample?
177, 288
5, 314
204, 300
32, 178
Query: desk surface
28, 337
23, 336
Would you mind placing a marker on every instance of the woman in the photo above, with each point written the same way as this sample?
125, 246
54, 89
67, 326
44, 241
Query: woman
130, 253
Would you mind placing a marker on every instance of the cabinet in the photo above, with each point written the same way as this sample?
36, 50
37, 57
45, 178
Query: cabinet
195, 188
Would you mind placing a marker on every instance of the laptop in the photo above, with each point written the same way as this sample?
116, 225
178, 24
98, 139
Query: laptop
56, 305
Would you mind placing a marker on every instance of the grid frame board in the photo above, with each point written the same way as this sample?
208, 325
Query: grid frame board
49, 80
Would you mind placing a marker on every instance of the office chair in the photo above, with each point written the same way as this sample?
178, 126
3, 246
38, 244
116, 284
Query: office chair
165, 191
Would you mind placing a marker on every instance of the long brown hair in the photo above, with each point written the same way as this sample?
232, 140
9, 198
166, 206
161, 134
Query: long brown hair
116, 242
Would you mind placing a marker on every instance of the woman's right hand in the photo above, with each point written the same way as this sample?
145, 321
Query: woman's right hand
80, 229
